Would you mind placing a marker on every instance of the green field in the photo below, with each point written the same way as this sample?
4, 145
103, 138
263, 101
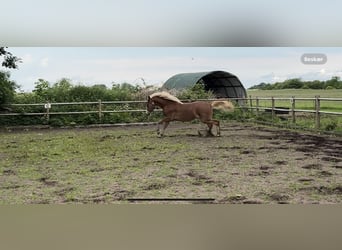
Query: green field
333, 106
305, 120
305, 93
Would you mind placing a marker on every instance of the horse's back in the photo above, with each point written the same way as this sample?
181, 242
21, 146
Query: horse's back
200, 109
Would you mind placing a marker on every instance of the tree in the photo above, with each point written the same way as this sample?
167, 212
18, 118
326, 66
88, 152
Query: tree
41, 89
334, 83
295, 83
262, 86
10, 61
60, 91
7, 88
316, 84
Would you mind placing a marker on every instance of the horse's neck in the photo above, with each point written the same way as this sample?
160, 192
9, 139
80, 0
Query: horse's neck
162, 102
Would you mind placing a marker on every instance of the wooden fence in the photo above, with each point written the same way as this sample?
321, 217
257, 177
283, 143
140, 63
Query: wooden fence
290, 108
99, 110
258, 105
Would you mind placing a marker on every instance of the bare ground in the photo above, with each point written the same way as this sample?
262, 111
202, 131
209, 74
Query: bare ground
248, 164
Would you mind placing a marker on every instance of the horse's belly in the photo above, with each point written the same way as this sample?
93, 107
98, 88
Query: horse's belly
185, 116
191, 111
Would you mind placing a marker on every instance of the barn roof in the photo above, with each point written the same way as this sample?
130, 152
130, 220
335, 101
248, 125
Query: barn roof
222, 83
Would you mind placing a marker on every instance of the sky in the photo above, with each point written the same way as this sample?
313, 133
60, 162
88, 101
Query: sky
101, 42
154, 65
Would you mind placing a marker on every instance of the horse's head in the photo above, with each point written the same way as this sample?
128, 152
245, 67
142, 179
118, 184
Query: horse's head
150, 105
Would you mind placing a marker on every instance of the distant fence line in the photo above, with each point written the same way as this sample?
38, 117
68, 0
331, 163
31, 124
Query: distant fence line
254, 105
251, 103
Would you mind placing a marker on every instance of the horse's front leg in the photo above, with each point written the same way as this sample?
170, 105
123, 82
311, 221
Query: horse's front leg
166, 122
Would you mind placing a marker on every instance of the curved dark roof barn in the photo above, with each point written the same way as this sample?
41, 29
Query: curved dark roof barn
221, 83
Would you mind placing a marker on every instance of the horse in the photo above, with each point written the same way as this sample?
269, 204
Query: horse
175, 110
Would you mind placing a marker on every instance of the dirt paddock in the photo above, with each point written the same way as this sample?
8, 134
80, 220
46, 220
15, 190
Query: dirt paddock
248, 164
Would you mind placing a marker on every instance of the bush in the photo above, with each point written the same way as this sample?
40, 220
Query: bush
331, 125
198, 91
329, 87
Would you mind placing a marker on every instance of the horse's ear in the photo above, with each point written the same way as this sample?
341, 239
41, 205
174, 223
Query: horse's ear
148, 98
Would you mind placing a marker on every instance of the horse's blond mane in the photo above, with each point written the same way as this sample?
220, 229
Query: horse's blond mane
165, 95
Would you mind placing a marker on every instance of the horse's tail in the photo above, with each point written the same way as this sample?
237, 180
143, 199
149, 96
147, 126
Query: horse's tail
226, 106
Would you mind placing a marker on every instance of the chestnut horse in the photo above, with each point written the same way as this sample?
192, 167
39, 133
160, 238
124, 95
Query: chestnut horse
175, 110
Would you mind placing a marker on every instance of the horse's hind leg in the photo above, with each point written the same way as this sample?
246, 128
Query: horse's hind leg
210, 127
202, 127
210, 124
218, 129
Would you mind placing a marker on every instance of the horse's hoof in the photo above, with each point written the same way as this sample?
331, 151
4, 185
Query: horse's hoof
210, 134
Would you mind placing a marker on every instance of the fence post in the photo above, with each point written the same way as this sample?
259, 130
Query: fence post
251, 103
293, 107
257, 105
47, 106
100, 111
273, 107
317, 116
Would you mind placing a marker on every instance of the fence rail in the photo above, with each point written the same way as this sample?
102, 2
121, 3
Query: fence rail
258, 105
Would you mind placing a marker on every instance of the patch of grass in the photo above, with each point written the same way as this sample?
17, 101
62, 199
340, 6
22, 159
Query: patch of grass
87, 159
113, 164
